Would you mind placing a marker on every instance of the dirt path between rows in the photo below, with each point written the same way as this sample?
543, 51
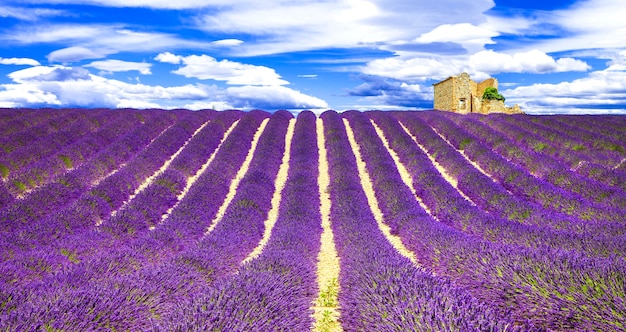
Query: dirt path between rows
160, 171
326, 306
279, 185
368, 187
232, 191
194, 178
407, 178
453, 181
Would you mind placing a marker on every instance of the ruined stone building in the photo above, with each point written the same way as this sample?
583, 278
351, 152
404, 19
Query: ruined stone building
460, 94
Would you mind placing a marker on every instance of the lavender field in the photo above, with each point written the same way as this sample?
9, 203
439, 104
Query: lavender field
152, 220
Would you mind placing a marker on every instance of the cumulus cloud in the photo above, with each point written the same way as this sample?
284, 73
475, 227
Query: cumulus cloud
602, 91
121, 66
271, 97
74, 54
479, 65
75, 87
168, 57
414, 69
533, 61
68, 86
205, 67
19, 61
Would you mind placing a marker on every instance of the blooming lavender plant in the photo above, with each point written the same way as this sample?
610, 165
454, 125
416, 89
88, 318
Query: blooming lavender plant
381, 290
449, 207
507, 262
26, 126
522, 183
72, 156
508, 276
70, 186
275, 290
42, 147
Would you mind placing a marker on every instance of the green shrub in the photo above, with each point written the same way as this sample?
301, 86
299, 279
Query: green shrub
492, 93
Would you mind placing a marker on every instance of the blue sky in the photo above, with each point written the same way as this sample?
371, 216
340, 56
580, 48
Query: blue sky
560, 56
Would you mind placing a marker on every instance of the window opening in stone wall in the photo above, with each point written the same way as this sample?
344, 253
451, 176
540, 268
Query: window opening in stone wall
462, 104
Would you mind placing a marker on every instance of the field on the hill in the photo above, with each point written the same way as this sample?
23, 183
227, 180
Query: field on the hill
118, 220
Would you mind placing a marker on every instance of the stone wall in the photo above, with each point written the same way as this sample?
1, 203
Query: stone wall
497, 106
444, 95
460, 94
463, 91
490, 82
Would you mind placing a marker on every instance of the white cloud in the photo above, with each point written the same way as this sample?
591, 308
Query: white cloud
55, 33
510, 24
228, 42
19, 61
25, 75
29, 14
272, 97
205, 67
97, 40
168, 57
74, 86
216, 105
25, 95
306, 25
67, 86
414, 69
121, 66
599, 92
480, 65
533, 61
472, 37
593, 16
157, 4
73, 54
584, 25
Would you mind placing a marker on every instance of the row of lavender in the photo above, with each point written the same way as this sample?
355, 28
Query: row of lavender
108, 264
500, 259
380, 289
548, 278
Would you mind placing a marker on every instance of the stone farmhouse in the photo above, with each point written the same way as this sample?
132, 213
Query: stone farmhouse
460, 94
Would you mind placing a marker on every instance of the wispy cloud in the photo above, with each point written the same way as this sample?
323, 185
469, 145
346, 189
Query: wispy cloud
74, 54
472, 37
29, 14
121, 66
96, 40
343, 23
155, 4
